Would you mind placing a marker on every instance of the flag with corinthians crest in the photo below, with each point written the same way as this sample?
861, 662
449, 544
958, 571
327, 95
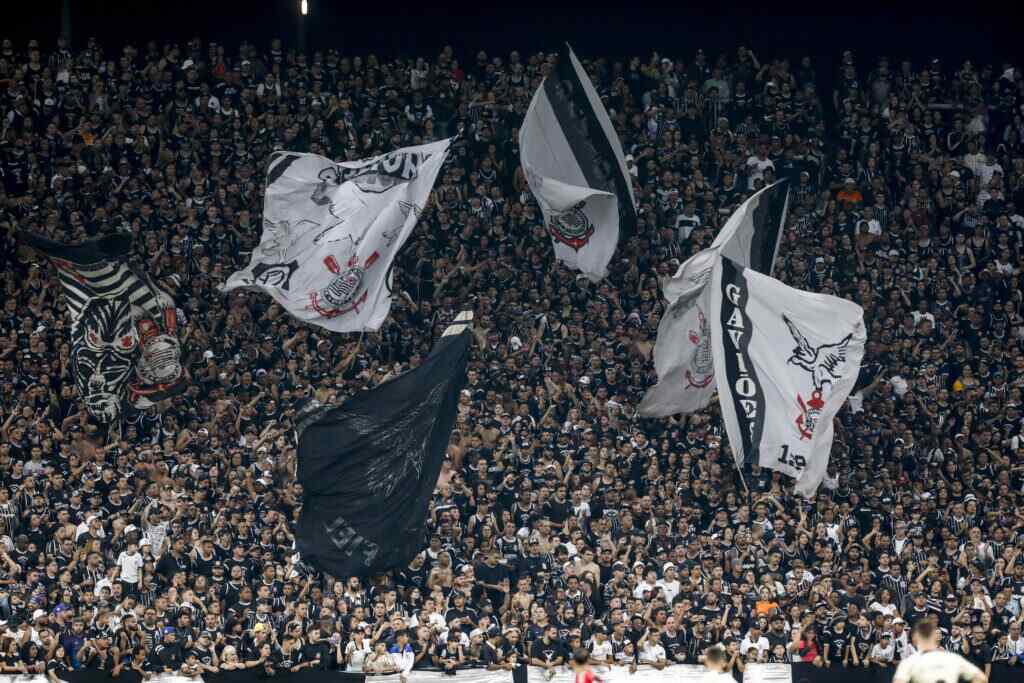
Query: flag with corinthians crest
575, 167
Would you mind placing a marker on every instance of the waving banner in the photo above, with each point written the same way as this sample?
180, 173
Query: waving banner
682, 352
124, 328
369, 466
575, 167
332, 229
786, 361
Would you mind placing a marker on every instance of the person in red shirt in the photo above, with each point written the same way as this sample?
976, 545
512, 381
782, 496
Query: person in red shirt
580, 665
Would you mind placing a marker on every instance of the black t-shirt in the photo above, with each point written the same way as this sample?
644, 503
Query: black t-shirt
837, 644
548, 652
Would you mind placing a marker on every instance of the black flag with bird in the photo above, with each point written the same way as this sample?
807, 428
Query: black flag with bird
369, 466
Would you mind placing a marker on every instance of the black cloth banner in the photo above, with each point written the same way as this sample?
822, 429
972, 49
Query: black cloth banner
369, 466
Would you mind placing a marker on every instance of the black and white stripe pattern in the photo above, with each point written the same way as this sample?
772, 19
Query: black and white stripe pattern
107, 281
99, 270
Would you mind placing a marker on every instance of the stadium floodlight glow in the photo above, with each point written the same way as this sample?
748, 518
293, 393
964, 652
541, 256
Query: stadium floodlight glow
304, 7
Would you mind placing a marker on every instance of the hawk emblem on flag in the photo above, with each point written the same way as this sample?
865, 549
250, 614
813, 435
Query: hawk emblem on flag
406, 440
824, 364
572, 228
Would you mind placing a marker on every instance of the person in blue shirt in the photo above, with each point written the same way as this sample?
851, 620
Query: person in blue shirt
402, 653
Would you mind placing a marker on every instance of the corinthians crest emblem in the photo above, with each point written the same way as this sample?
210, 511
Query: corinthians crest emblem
703, 365
572, 228
345, 292
824, 363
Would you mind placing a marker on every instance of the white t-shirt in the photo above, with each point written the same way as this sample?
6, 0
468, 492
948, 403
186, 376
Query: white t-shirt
934, 666
756, 168
356, 654
130, 566
670, 589
761, 644
601, 651
652, 653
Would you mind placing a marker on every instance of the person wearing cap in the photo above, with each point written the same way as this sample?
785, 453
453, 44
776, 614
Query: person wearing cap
669, 582
129, 568
883, 652
755, 639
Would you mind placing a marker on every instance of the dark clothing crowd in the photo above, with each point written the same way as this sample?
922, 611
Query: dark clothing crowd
164, 542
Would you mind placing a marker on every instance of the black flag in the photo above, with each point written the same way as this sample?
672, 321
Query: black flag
369, 466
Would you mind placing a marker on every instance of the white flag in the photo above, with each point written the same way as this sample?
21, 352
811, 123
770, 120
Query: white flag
574, 164
682, 352
332, 229
786, 361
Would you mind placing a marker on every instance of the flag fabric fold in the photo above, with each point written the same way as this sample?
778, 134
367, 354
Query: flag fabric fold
682, 350
576, 169
331, 231
785, 361
368, 467
124, 327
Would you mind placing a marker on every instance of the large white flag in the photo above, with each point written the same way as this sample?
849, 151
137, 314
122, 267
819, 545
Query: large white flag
332, 229
574, 164
786, 360
682, 352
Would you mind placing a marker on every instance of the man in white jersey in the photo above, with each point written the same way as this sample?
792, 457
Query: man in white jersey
717, 661
932, 665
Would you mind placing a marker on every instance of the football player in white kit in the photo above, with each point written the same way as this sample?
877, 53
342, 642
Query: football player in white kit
716, 659
933, 665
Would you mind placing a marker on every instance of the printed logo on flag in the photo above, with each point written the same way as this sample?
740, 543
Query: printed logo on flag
572, 228
345, 292
824, 363
275, 274
703, 365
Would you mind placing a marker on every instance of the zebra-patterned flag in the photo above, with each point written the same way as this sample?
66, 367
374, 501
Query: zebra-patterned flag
369, 466
124, 341
574, 165
785, 361
331, 231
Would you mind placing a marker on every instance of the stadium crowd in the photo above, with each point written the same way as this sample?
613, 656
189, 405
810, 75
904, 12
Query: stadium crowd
165, 542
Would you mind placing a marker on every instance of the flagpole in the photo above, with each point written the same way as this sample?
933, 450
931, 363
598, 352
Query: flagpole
743, 480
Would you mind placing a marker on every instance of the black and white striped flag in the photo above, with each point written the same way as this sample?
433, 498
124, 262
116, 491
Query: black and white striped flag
576, 169
124, 342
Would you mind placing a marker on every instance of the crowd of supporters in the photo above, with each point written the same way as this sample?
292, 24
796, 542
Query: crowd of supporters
164, 543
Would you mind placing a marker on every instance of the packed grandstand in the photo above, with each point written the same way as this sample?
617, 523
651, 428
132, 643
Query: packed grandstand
165, 542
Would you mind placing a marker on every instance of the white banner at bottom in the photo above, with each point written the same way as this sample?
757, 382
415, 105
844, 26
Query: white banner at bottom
677, 673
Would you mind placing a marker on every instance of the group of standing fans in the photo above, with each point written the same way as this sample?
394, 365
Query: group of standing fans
164, 543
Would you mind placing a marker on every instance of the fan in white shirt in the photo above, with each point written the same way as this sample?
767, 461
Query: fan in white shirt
1015, 642
601, 648
651, 650
754, 639
670, 584
130, 562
